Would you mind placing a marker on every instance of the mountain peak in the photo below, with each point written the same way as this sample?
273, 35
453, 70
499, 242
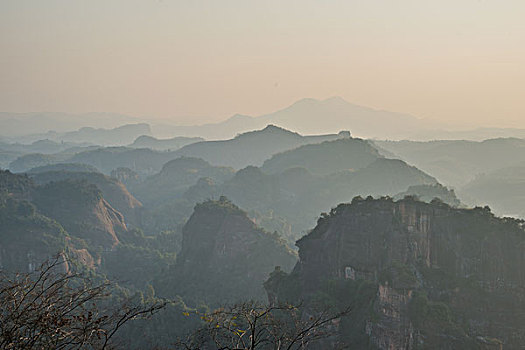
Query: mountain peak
270, 129
313, 101
275, 128
336, 99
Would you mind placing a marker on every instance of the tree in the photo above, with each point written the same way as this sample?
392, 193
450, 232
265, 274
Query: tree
251, 325
55, 308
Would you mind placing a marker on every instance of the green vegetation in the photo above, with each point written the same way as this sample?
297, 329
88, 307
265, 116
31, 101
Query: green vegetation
414, 267
427, 193
325, 158
224, 252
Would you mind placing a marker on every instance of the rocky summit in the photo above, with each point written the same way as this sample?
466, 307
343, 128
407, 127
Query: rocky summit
417, 275
225, 256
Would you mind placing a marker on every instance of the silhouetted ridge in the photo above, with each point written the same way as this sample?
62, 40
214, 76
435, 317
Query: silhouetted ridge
325, 158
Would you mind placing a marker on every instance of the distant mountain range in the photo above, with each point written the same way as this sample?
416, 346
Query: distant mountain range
251, 148
310, 116
174, 143
20, 124
254, 147
503, 190
455, 163
307, 116
118, 136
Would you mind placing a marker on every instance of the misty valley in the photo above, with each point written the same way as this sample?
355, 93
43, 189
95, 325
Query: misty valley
262, 175
267, 240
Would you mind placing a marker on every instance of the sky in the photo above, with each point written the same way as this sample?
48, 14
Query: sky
195, 61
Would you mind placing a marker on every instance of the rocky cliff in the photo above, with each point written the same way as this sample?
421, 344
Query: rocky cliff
225, 257
28, 238
113, 191
420, 276
81, 209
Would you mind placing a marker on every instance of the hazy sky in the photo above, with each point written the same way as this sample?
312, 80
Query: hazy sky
206, 60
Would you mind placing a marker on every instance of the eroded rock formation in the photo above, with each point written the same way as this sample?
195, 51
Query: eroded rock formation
443, 277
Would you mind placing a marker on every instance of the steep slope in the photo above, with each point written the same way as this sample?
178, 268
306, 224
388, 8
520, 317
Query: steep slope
224, 256
324, 158
82, 211
252, 148
113, 191
26, 237
418, 275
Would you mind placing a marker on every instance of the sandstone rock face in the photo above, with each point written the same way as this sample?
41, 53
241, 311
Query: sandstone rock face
444, 277
113, 191
82, 211
83, 257
225, 256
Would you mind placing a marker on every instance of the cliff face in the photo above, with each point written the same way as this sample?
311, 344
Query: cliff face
225, 257
113, 191
28, 238
443, 277
82, 211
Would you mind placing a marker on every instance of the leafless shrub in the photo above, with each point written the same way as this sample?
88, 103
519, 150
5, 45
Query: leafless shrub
52, 308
